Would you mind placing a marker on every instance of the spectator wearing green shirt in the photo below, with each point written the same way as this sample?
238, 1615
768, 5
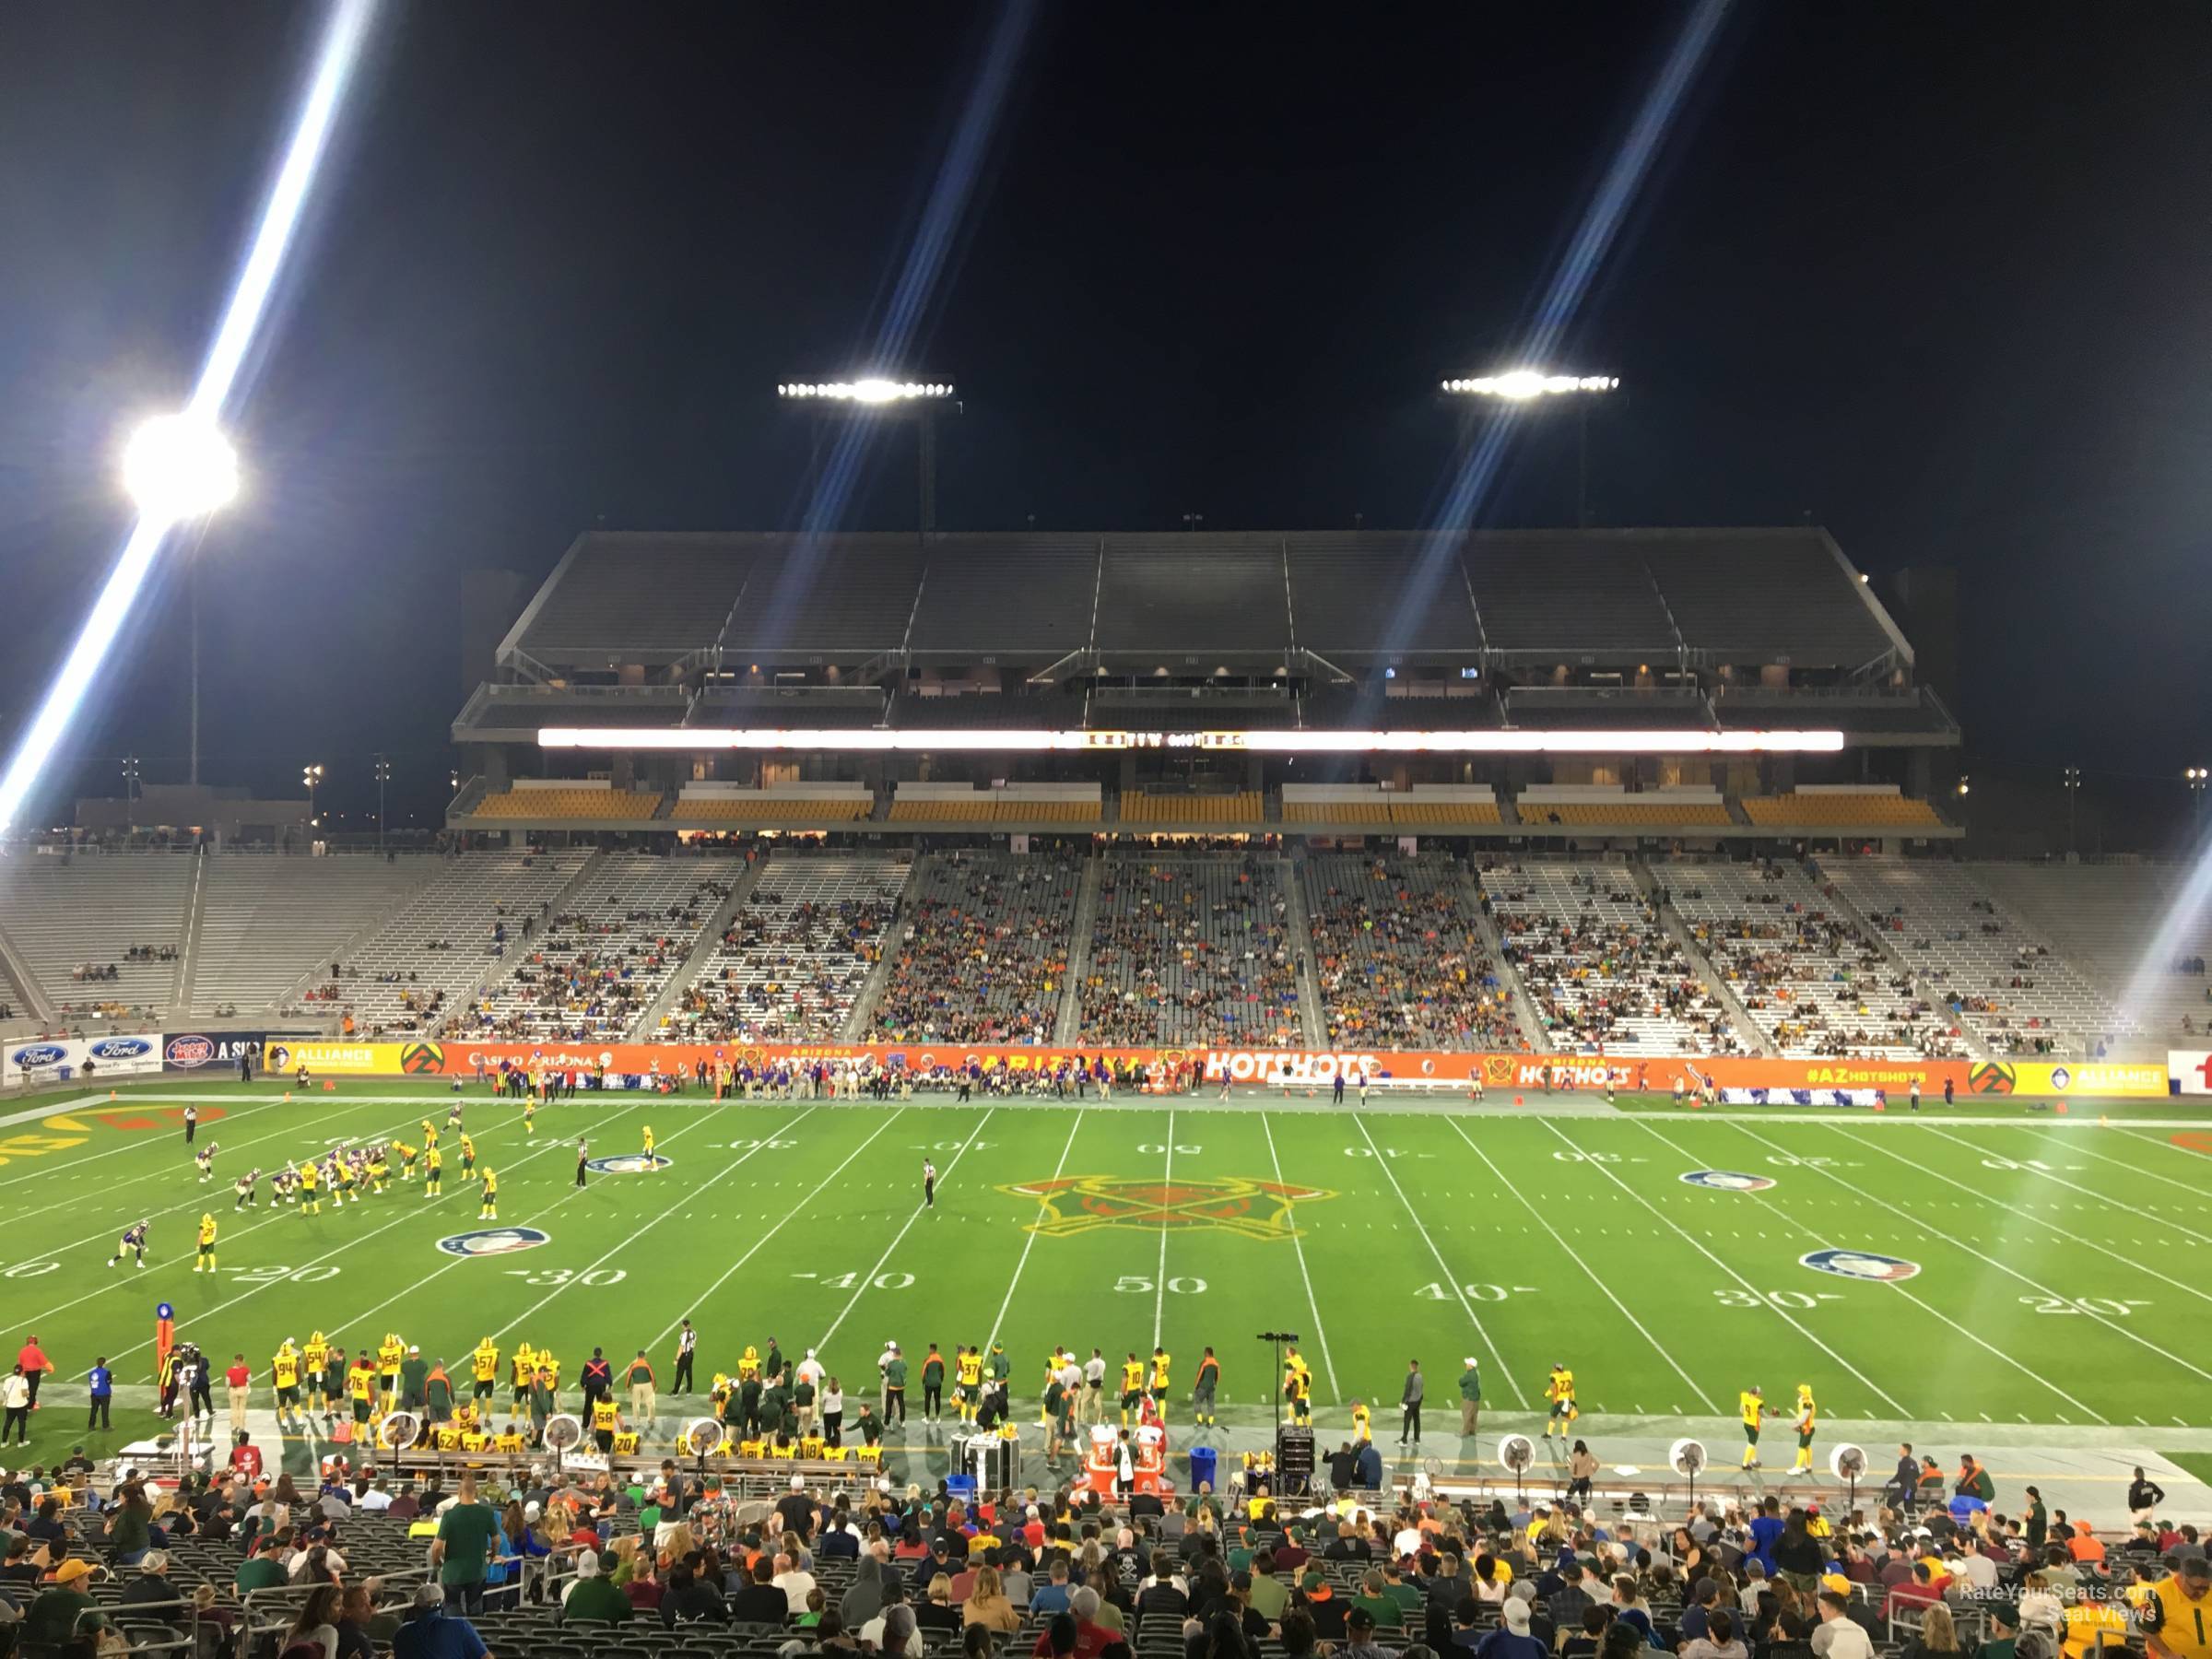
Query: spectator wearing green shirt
468, 1533
591, 1596
1270, 1596
262, 1570
414, 1381
51, 1618
1377, 1604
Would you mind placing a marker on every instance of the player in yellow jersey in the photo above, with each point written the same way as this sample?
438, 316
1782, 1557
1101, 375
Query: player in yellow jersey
391, 1354
524, 1367
1751, 1406
529, 1116
314, 1357
429, 1134
1559, 1388
1133, 1386
380, 1169
967, 1381
485, 1363
206, 1264
605, 1419
490, 1210
1363, 1420
285, 1372
360, 1383
311, 1193
1161, 1359
433, 1171
650, 1163
468, 1157
407, 1156
341, 1182
1807, 1419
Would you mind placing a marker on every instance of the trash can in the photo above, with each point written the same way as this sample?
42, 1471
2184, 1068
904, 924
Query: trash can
1201, 1468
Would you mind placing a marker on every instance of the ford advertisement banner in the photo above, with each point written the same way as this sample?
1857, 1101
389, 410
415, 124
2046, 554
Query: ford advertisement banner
123, 1055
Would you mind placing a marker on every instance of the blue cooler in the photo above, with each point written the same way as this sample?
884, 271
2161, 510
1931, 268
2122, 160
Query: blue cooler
1201, 1468
961, 1488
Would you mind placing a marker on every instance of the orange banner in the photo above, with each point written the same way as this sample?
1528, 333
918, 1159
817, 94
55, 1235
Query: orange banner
456, 1057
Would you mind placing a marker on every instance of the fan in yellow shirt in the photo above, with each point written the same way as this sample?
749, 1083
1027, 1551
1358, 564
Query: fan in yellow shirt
1559, 1388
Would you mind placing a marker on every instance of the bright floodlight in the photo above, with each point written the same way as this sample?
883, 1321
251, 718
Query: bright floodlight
179, 466
1522, 384
871, 391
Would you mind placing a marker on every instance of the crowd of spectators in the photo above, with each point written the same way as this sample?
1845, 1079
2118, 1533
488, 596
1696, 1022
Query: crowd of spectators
982, 955
1399, 956
1192, 950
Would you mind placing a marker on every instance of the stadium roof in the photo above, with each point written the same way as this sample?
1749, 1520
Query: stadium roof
1123, 602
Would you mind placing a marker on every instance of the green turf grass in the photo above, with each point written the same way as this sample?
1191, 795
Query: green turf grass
2060, 1262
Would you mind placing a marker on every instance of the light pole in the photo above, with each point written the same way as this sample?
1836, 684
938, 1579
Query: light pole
383, 776
2197, 777
1531, 385
881, 398
130, 791
310, 776
1194, 522
2073, 805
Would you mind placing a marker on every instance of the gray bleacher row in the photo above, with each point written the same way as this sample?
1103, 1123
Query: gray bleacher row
1403, 930
1734, 596
1192, 950
983, 931
90, 909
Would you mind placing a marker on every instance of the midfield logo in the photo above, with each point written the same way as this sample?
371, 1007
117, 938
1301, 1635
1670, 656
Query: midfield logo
1256, 1210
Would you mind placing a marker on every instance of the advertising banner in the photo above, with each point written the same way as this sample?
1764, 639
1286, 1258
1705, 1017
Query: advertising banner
2098, 1079
2191, 1070
208, 1051
282, 1055
123, 1055
42, 1060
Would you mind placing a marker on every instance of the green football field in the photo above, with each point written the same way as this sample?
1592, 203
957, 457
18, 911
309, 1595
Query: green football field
1997, 1266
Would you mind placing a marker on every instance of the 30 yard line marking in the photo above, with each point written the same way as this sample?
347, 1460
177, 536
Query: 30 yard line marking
1657, 1347
781, 1223
1450, 1278
1993, 1261
2073, 1187
891, 1249
1159, 1280
1030, 1241
1782, 1215
607, 1255
1782, 1313
1313, 1306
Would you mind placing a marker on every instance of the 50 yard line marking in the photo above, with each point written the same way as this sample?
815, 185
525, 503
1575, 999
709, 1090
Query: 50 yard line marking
890, 1250
1159, 1282
1313, 1306
1450, 1278
1657, 1347
1782, 1313
1028, 1243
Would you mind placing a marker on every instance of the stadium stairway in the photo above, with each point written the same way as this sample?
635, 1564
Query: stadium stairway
195, 923
1885, 942
702, 951
1299, 925
1070, 1029
1493, 944
26, 994
1756, 1041
855, 1029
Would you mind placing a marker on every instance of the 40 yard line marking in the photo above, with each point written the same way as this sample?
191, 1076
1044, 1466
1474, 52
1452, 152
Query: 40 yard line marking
1782, 1313
1313, 1306
1450, 1278
891, 1249
1028, 1243
781, 1222
1783, 1215
1657, 1347
2010, 1272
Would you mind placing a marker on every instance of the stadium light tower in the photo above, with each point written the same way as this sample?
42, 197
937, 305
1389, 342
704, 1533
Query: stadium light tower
310, 776
880, 397
2197, 777
1533, 386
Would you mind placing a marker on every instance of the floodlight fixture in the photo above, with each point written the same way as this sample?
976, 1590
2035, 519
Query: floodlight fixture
1522, 385
179, 467
873, 390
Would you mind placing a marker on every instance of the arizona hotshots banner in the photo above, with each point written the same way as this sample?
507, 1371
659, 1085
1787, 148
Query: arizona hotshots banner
645, 1065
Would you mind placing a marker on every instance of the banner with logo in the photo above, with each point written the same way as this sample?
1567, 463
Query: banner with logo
208, 1051
125, 1057
32, 1062
284, 1055
2191, 1070
29, 1062
2099, 1079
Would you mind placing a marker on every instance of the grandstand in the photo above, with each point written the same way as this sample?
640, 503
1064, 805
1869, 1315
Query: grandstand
1400, 956
795, 957
980, 950
1604, 974
1191, 949
266, 922
2107, 918
102, 935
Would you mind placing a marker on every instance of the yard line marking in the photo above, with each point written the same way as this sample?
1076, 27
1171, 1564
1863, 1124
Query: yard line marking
1450, 1278
1297, 1247
1159, 1280
1029, 1242
1782, 1313
890, 1250
695, 1123
1993, 1261
1657, 1347
2025, 1369
406, 1212
2076, 1187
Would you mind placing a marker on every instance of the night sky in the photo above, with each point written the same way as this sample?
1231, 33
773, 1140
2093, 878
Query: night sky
1939, 276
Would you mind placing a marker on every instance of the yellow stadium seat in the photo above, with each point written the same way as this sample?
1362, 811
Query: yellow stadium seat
1444, 812
1844, 810
1141, 807
1628, 810
770, 809
582, 802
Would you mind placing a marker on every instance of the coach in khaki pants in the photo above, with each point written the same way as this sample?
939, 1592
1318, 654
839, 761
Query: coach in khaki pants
640, 1392
237, 1379
1470, 1398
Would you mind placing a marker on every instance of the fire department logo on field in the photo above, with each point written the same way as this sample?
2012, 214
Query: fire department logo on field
421, 1059
1257, 1209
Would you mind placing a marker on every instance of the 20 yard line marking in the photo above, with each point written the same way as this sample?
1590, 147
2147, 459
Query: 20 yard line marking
1313, 1306
891, 1249
1028, 1243
1657, 1347
2010, 1272
1450, 1278
781, 1222
1782, 1313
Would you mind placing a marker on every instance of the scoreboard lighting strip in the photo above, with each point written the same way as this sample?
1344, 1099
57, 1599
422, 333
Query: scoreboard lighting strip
1264, 743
